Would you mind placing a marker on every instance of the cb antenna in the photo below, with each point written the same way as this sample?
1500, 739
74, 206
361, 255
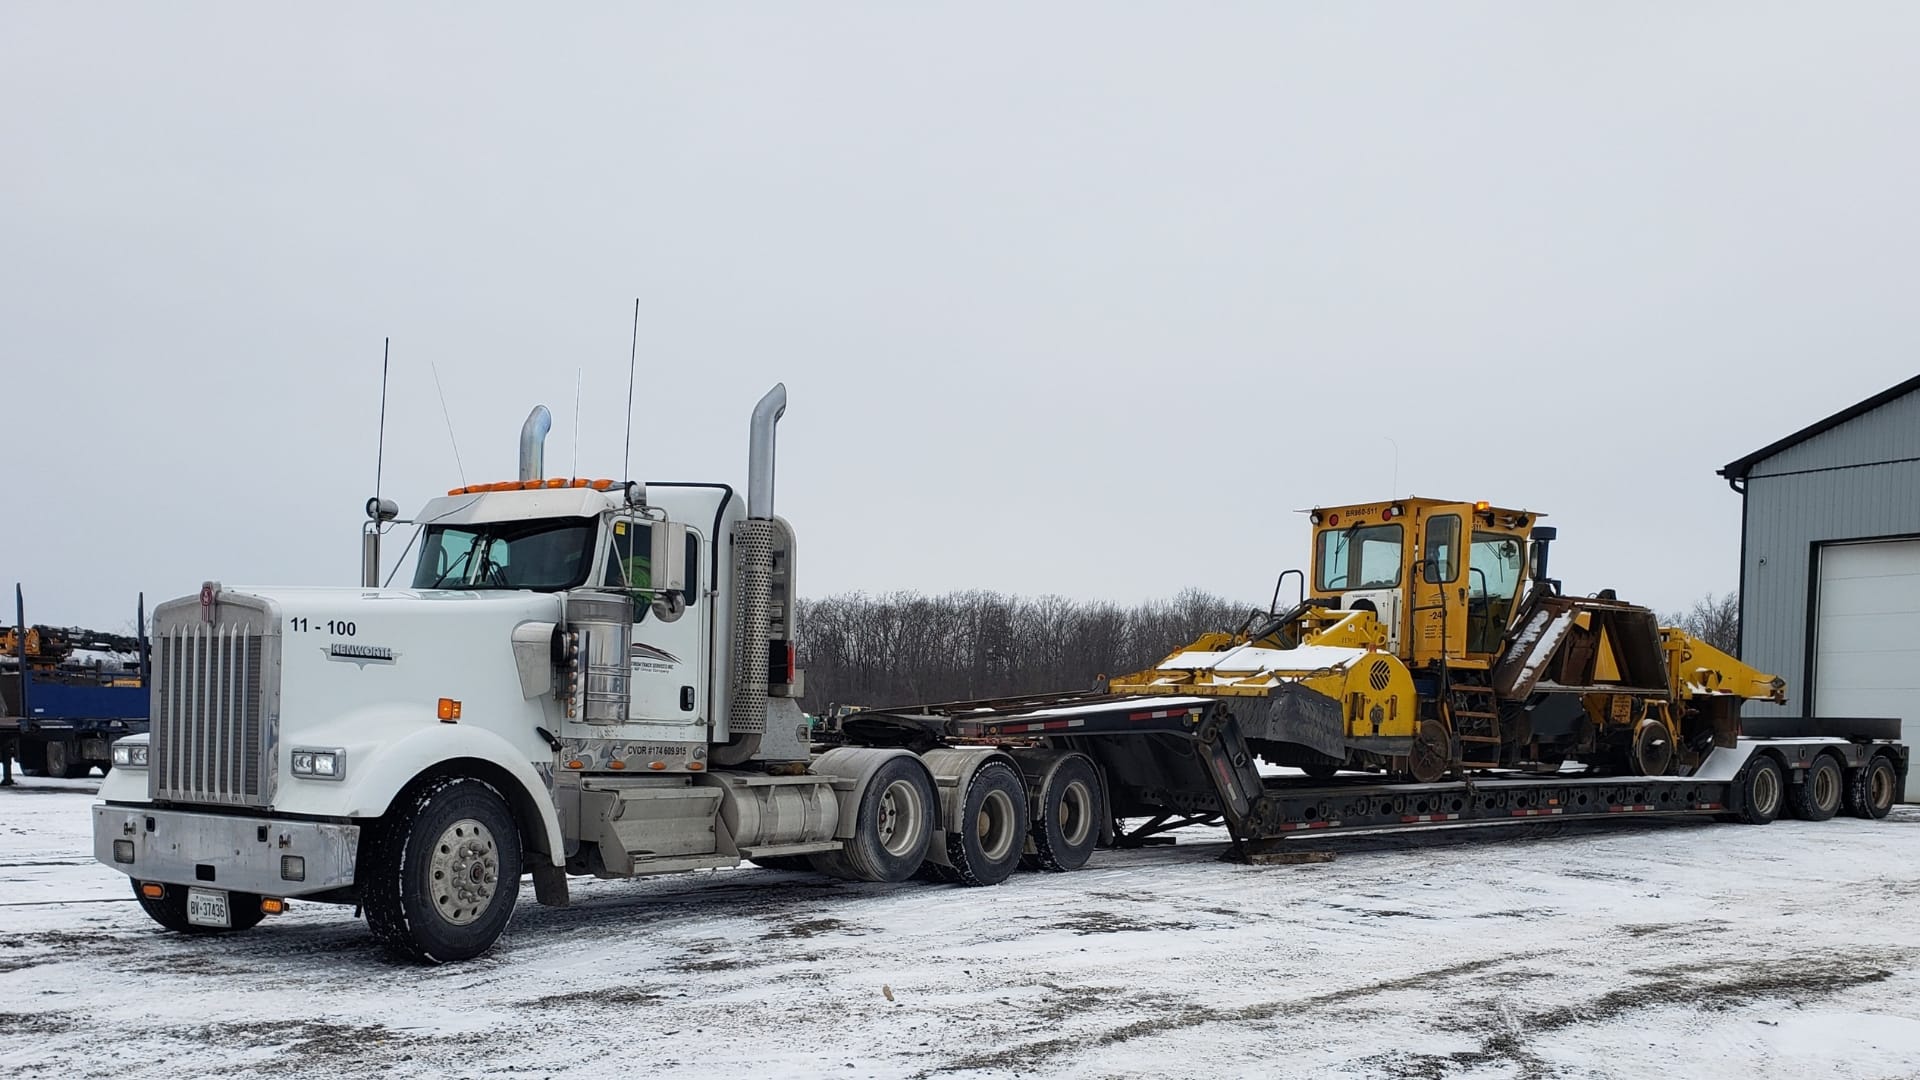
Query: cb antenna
577, 375
380, 454
449, 416
626, 456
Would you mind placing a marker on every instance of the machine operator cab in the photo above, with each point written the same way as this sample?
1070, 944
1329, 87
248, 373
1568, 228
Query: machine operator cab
1443, 578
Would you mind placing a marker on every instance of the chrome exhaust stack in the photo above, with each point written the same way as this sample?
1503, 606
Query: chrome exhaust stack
760, 452
533, 443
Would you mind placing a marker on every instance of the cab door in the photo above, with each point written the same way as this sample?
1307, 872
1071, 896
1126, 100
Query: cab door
1439, 615
669, 683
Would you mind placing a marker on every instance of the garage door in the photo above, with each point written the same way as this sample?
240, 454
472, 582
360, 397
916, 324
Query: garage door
1867, 635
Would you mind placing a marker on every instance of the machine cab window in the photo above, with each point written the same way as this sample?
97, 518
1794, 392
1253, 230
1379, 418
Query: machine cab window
1362, 557
1440, 551
1495, 566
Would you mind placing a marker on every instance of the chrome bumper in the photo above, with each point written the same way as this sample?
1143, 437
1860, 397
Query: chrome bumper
224, 851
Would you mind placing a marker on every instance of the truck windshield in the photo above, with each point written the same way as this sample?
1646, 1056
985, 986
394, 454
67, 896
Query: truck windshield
1360, 557
545, 555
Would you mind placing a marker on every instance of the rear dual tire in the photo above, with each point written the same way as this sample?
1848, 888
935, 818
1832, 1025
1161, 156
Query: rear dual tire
1762, 791
986, 847
1873, 788
892, 827
1067, 817
1818, 795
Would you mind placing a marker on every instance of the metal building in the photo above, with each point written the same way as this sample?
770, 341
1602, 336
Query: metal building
1830, 562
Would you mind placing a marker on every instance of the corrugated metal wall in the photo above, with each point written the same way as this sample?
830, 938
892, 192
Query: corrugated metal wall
1827, 488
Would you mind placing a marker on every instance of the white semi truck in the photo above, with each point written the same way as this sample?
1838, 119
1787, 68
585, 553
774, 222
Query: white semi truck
591, 677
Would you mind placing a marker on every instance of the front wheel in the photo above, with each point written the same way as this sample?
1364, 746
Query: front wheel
443, 872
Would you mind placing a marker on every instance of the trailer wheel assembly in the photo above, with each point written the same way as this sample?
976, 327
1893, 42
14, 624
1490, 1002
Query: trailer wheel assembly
1762, 790
1818, 795
169, 909
985, 849
444, 872
1067, 812
1870, 791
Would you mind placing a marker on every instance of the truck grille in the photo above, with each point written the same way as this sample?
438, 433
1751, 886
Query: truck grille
211, 737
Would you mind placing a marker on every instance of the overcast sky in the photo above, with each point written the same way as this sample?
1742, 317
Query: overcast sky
1084, 299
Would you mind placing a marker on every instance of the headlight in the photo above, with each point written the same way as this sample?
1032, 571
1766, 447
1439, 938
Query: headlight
320, 764
129, 755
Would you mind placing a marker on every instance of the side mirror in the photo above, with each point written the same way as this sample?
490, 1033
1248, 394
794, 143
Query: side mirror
669, 567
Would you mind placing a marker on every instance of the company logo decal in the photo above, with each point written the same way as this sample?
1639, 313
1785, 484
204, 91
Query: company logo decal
360, 654
644, 651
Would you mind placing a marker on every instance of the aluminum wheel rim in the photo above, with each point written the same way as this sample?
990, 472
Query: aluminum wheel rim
1882, 781
995, 825
1826, 788
900, 817
1766, 791
1075, 813
464, 871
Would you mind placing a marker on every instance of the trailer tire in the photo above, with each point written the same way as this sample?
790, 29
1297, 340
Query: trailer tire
1066, 828
444, 871
892, 826
1872, 789
1818, 795
1762, 791
63, 763
985, 849
170, 911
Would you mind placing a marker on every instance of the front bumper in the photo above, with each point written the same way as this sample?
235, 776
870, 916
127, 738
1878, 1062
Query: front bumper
225, 851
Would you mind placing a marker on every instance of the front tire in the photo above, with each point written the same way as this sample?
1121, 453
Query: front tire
170, 911
443, 873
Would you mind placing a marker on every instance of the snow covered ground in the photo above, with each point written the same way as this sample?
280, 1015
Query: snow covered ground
1618, 950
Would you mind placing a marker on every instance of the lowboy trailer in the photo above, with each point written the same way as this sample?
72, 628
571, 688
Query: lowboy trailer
597, 678
1170, 762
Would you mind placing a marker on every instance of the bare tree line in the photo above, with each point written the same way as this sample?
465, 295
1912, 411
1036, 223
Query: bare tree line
903, 647
1714, 619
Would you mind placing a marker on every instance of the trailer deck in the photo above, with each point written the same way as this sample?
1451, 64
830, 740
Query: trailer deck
1170, 762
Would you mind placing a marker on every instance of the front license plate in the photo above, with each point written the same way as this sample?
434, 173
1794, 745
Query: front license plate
208, 907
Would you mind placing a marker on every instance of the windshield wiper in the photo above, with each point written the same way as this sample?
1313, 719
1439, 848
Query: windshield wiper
441, 581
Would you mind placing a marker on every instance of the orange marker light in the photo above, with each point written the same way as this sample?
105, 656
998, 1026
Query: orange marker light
576, 763
152, 891
449, 710
656, 764
694, 766
616, 764
601, 485
1483, 506
557, 482
272, 906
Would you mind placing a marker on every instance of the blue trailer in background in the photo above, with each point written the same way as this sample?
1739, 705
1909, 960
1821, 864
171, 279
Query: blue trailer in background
59, 716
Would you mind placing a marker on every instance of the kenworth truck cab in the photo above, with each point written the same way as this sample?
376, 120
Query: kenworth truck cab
585, 677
